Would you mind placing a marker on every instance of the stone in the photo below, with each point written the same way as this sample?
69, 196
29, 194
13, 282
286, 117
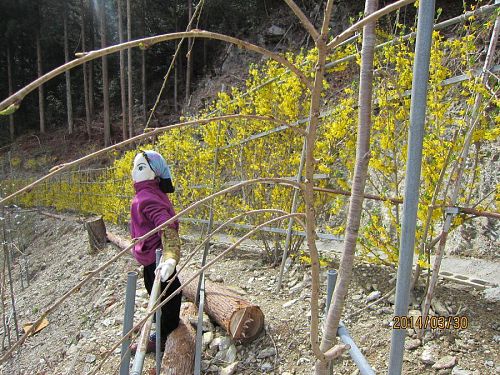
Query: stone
289, 303
217, 278
231, 354
229, 370
73, 349
439, 307
492, 294
373, 296
460, 371
207, 325
222, 342
302, 361
428, 357
266, 367
90, 358
213, 368
205, 364
412, 344
207, 339
445, 362
221, 355
275, 31
268, 352
297, 287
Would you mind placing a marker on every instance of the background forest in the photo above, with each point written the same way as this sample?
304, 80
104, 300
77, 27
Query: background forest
37, 36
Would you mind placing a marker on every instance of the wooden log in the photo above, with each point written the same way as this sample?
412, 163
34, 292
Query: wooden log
178, 358
241, 319
96, 230
121, 242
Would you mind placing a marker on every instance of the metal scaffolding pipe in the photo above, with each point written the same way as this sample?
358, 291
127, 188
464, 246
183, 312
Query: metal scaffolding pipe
356, 355
158, 352
412, 179
128, 321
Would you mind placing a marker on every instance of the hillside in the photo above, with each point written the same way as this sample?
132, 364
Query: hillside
86, 326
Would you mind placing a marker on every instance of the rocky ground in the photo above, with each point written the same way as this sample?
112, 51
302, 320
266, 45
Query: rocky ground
85, 327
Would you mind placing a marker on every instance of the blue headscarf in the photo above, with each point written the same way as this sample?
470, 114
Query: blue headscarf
161, 170
158, 164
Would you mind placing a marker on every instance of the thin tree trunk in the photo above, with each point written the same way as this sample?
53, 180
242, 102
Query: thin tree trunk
105, 83
143, 64
11, 91
69, 104
122, 72
189, 61
41, 102
91, 63
358, 186
176, 79
129, 73
85, 75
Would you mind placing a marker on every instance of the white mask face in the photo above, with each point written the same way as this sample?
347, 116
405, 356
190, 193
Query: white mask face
141, 170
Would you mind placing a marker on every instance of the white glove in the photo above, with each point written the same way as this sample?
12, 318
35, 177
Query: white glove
166, 269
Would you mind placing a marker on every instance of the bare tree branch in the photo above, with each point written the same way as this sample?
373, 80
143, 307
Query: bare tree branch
60, 168
303, 18
200, 202
146, 43
372, 17
194, 276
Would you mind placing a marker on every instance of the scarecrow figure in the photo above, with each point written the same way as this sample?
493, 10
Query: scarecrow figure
150, 208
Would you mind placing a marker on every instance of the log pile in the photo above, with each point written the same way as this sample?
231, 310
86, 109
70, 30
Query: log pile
242, 320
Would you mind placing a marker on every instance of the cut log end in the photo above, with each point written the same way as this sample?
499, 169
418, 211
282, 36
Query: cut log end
241, 319
96, 230
246, 324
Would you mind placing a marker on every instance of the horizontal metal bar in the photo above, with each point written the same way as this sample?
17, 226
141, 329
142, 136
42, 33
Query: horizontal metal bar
323, 236
317, 176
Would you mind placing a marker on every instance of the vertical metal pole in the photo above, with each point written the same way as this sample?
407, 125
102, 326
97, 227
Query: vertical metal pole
356, 355
128, 321
158, 322
295, 203
330, 286
140, 354
7, 250
412, 179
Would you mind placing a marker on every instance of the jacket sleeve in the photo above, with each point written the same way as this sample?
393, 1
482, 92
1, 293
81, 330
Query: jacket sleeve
157, 212
171, 244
